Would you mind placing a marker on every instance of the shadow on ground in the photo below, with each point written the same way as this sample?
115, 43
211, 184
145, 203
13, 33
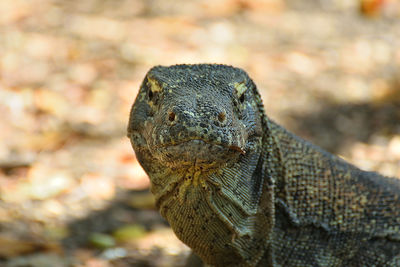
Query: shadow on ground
117, 214
336, 126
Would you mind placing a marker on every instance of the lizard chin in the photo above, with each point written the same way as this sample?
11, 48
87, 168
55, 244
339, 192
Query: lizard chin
197, 153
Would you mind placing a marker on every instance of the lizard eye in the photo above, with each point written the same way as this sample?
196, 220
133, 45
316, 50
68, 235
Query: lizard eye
241, 98
151, 95
241, 89
153, 90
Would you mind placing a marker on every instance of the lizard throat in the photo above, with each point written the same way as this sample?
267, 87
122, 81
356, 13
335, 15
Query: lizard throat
225, 201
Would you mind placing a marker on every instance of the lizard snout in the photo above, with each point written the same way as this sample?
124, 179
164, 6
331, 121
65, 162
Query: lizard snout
216, 116
181, 123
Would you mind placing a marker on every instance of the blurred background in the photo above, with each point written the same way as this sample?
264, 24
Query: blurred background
71, 190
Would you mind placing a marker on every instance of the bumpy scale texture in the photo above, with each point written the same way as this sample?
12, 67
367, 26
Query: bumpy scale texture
241, 190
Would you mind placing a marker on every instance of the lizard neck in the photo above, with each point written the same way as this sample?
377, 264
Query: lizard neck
238, 225
320, 189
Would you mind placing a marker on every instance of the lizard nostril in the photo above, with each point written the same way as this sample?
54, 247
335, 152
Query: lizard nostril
221, 116
171, 116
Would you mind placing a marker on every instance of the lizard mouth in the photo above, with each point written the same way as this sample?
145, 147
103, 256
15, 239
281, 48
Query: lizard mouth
196, 152
196, 141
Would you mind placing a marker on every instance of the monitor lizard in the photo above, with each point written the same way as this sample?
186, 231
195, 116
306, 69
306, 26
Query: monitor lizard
240, 190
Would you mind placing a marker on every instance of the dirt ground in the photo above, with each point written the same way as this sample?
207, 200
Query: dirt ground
71, 190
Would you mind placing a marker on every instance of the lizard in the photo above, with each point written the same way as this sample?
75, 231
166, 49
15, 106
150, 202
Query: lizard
241, 190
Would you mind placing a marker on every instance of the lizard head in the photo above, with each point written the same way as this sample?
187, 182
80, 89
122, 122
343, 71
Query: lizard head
201, 115
197, 131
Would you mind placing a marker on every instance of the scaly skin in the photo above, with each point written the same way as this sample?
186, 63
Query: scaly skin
240, 190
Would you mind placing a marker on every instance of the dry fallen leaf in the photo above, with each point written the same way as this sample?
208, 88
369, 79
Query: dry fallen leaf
12, 247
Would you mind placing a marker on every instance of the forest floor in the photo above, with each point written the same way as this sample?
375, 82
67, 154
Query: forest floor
71, 190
